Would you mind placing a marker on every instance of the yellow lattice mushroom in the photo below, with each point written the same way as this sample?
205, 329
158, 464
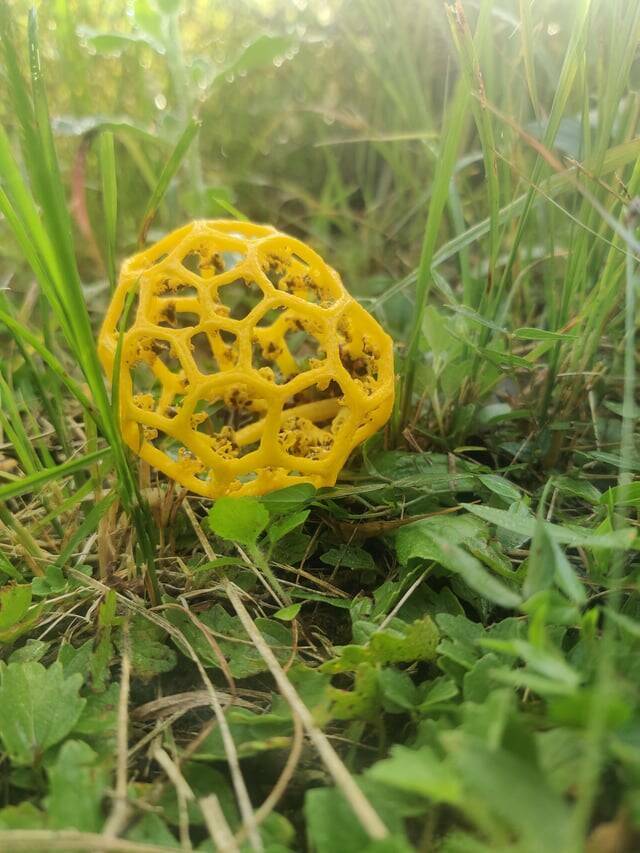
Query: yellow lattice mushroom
245, 364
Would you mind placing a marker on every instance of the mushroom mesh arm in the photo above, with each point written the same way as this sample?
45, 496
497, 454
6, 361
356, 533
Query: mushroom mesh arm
245, 364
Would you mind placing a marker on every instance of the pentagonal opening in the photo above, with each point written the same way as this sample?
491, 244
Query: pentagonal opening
311, 421
285, 347
239, 298
303, 346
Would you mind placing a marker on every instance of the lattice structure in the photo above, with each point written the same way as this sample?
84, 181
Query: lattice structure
245, 364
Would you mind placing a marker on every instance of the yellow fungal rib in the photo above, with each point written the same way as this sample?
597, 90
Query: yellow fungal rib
245, 364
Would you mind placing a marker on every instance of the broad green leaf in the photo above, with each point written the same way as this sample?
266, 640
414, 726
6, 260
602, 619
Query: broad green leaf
258, 54
14, 604
415, 642
203, 781
78, 782
626, 495
38, 708
362, 701
114, 43
548, 563
349, 557
7, 568
500, 486
414, 540
52, 583
150, 655
252, 734
282, 526
548, 664
99, 716
478, 682
242, 657
23, 816
239, 520
332, 825
151, 829
32, 650
515, 791
289, 500
76, 659
287, 614
419, 771
435, 692
399, 693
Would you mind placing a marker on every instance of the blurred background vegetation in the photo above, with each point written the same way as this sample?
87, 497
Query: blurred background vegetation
332, 120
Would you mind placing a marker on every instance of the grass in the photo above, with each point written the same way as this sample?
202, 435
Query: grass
438, 653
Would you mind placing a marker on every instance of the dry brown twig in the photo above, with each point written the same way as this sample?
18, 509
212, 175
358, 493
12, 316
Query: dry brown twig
362, 808
31, 840
119, 816
242, 795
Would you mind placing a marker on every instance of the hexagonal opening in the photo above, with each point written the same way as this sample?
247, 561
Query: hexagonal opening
238, 298
232, 427
311, 421
285, 346
303, 346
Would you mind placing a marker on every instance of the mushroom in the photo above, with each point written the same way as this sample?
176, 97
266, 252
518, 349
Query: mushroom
245, 365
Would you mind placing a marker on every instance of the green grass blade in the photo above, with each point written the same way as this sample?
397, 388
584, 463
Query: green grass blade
106, 156
23, 485
170, 168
